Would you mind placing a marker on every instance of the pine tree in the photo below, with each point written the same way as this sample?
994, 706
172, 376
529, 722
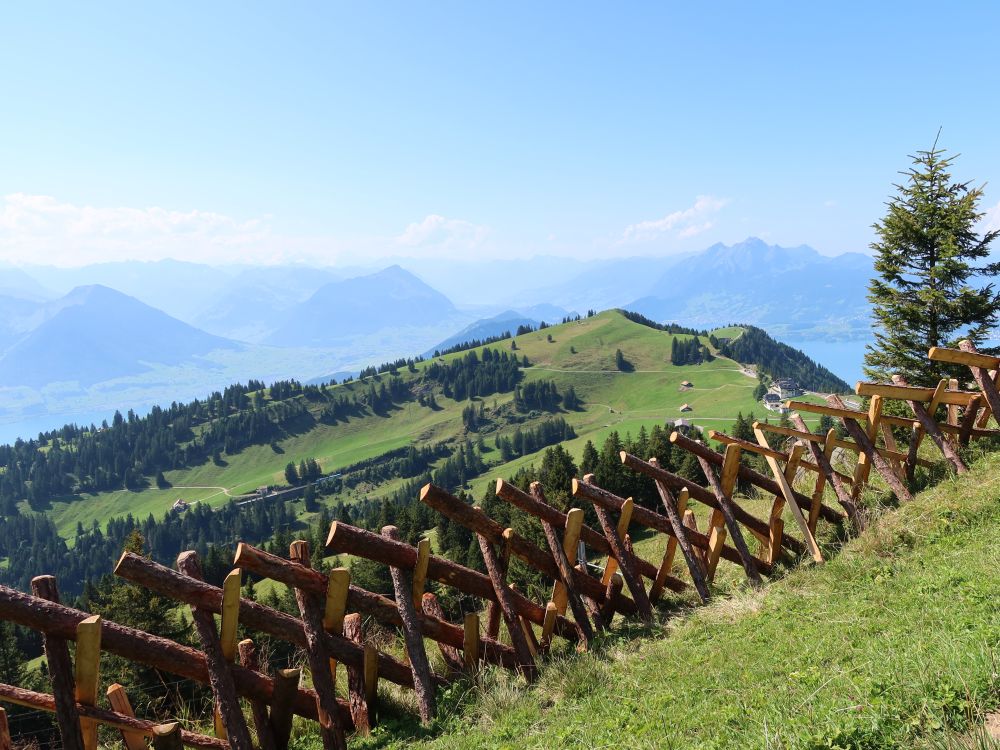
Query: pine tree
11, 658
926, 253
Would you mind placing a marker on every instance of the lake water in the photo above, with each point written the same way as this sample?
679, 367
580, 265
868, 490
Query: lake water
843, 358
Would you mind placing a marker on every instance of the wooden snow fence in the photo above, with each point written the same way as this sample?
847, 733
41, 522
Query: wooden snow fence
335, 615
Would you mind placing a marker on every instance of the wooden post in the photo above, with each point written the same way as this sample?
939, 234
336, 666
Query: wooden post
230, 614
634, 583
5, 743
868, 447
624, 518
333, 614
371, 681
606, 611
786, 491
566, 578
726, 509
691, 524
968, 420
258, 709
167, 737
526, 664
286, 686
88, 665
331, 731
862, 469
494, 617
220, 677
777, 525
656, 590
451, 655
423, 686
361, 712
60, 671
420, 572
228, 630
571, 538
549, 624
717, 524
471, 650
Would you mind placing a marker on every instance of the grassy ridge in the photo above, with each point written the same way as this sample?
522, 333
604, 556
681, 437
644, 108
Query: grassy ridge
891, 643
581, 354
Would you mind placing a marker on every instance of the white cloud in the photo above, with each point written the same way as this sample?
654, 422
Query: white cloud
684, 223
40, 228
439, 232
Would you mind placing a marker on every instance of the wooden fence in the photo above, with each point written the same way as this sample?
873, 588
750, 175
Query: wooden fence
334, 614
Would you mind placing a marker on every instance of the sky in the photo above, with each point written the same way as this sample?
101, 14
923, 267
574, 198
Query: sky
336, 133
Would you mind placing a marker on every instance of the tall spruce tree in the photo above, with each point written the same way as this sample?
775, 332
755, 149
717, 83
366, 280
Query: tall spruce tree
926, 259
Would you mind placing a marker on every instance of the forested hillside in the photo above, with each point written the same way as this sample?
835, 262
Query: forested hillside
755, 346
70, 499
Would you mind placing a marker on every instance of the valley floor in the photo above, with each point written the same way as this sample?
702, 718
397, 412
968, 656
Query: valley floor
893, 643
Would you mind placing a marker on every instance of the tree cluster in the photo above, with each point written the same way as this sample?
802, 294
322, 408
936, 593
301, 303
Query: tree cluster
689, 351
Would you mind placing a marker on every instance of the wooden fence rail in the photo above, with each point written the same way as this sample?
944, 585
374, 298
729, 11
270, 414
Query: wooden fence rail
330, 628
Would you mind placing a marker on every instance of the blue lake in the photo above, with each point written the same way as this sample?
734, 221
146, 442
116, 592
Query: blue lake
843, 358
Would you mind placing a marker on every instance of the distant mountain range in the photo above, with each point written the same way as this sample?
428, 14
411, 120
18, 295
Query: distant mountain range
144, 331
99, 334
792, 292
336, 311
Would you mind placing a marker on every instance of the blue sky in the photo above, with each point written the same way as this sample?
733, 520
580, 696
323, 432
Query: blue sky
336, 133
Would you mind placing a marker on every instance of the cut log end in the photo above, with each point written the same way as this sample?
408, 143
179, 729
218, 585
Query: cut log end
240, 553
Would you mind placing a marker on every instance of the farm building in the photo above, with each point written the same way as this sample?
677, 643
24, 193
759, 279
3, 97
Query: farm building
686, 407
686, 384
786, 388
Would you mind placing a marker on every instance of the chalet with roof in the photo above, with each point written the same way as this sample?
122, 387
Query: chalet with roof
786, 388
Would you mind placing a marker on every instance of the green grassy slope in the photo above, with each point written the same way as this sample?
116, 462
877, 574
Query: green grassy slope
581, 354
891, 643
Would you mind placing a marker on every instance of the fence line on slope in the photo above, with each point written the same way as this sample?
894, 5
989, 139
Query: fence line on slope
336, 617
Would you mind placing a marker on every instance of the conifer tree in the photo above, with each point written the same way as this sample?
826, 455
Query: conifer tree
927, 257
